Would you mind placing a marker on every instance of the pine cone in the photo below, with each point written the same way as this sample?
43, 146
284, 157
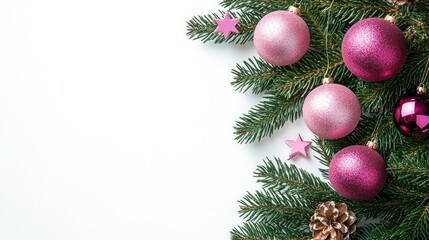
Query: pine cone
332, 221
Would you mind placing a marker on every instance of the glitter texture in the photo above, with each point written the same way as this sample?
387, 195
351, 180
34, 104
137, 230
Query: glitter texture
374, 49
331, 111
357, 172
411, 116
281, 38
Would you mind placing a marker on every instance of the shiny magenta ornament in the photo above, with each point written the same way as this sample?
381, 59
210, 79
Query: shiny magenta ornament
411, 115
282, 37
331, 111
357, 172
374, 49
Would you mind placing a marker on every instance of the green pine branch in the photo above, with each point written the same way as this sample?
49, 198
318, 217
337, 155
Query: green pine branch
267, 116
278, 176
267, 231
202, 28
256, 75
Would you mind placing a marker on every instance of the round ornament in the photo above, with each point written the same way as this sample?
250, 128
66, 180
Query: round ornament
374, 49
357, 172
282, 37
411, 115
331, 111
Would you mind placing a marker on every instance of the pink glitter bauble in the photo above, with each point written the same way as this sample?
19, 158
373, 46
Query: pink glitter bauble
357, 172
374, 49
281, 38
331, 111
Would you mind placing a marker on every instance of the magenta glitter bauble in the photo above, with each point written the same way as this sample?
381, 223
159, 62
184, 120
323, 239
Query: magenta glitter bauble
281, 38
411, 116
331, 111
357, 172
374, 49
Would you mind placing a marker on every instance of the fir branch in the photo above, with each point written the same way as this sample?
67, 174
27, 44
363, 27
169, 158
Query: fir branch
374, 232
415, 224
202, 28
413, 149
411, 173
278, 176
323, 154
308, 79
267, 116
273, 206
360, 9
257, 75
258, 6
267, 231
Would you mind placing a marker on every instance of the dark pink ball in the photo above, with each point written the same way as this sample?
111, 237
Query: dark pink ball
357, 172
411, 116
374, 49
281, 38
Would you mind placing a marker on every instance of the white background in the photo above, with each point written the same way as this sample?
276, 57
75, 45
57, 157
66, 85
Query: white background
113, 125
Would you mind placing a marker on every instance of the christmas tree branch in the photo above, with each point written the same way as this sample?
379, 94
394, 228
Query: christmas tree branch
323, 154
279, 176
267, 231
267, 116
202, 28
259, 6
415, 224
257, 75
271, 206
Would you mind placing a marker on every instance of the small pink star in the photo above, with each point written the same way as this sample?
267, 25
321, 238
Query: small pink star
226, 25
297, 147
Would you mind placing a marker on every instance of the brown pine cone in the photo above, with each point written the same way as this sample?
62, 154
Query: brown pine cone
332, 221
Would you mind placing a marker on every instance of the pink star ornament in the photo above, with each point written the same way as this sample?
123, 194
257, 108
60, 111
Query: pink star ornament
298, 147
227, 25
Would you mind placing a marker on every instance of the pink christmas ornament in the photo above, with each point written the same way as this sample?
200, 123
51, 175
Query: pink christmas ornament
331, 111
282, 38
374, 49
357, 172
411, 115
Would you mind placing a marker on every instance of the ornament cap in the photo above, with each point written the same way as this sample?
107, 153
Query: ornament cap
421, 90
327, 80
391, 19
295, 10
407, 3
372, 144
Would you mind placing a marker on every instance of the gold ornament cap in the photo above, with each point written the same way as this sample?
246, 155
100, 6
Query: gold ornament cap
327, 80
421, 89
295, 10
372, 144
391, 19
407, 3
